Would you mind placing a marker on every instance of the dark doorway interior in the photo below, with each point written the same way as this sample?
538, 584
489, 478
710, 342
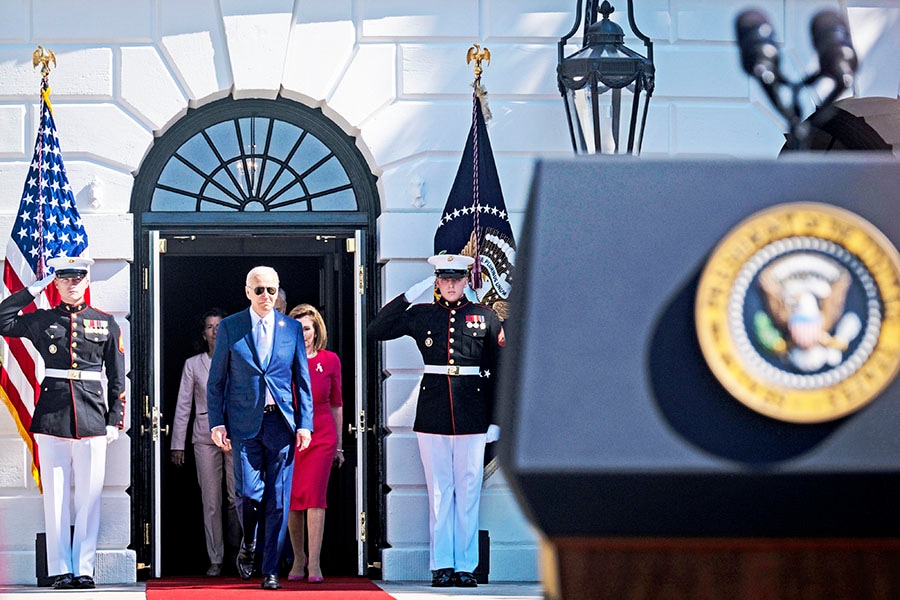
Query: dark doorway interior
197, 273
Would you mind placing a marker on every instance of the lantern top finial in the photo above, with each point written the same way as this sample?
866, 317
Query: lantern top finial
606, 9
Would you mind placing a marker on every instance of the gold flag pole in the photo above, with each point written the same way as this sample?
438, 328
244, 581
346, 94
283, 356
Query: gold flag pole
480, 55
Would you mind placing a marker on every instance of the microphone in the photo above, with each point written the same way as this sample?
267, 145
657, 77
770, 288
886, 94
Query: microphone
756, 39
831, 38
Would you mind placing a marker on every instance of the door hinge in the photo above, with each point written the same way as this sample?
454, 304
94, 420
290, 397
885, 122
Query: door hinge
146, 534
351, 245
362, 526
362, 281
146, 273
163, 245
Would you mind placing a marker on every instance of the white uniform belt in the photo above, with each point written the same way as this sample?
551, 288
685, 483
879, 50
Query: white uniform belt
72, 374
451, 370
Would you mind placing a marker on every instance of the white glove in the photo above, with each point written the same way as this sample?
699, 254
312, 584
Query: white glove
493, 433
112, 434
38, 286
413, 293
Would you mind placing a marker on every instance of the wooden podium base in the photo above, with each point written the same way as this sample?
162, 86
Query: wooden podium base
721, 569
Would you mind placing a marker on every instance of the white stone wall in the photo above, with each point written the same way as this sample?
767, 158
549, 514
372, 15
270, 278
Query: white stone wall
393, 73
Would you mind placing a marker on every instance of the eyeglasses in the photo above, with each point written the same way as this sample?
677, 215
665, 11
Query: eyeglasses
258, 290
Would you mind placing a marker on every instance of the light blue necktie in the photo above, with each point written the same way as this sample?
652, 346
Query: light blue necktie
262, 343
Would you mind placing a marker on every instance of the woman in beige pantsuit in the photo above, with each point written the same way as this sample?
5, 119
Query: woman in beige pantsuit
212, 462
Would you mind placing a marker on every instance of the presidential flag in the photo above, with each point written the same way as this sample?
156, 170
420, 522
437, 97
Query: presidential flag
47, 225
475, 221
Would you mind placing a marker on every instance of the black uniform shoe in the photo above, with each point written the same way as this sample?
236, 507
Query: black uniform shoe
270, 582
244, 562
464, 579
442, 578
63, 582
83, 582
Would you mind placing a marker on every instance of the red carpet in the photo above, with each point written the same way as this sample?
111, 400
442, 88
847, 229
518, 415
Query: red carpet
234, 588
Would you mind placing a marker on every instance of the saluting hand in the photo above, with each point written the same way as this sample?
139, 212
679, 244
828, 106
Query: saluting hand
38, 286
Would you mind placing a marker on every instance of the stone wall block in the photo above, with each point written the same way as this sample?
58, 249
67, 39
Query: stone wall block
15, 460
407, 512
405, 467
700, 72
99, 189
257, 38
736, 124
149, 88
103, 131
411, 128
130, 21
12, 131
193, 39
401, 19
368, 83
78, 72
321, 45
407, 234
401, 392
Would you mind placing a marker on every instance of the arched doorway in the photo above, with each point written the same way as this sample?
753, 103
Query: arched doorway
231, 185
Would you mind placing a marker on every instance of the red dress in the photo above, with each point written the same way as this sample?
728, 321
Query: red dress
312, 466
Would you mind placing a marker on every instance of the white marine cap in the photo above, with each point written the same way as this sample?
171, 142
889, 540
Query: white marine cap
70, 266
451, 266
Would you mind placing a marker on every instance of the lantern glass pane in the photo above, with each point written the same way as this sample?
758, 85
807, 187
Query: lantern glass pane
612, 108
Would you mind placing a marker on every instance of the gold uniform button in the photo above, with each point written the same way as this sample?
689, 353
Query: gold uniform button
452, 330
451, 340
74, 344
451, 361
74, 365
452, 312
74, 334
451, 352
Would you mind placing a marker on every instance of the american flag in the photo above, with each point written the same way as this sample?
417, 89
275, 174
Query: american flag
47, 225
475, 221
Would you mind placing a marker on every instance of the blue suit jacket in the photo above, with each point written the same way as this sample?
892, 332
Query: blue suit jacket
235, 390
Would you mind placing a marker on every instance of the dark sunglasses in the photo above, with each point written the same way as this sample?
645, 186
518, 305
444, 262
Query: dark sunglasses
258, 290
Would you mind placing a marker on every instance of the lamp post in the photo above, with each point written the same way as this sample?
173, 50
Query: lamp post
598, 81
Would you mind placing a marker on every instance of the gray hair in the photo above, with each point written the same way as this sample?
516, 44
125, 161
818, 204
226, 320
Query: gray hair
262, 271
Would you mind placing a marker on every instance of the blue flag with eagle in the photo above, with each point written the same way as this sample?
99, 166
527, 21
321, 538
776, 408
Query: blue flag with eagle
475, 221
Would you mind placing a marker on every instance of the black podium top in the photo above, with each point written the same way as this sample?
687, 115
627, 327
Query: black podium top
613, 424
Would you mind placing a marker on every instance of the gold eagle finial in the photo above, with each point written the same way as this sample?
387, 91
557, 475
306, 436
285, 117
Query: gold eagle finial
478, 54
43, 56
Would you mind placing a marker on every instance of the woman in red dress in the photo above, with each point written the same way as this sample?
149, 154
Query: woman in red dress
312, 467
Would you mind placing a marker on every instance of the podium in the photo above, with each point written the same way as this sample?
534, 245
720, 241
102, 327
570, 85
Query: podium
647, 477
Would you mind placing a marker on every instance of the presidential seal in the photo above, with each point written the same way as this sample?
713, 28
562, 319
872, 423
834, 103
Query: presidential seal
798, 312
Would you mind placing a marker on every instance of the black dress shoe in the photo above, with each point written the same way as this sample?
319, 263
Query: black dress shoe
83, 582
244, 563
464, 579
63, 582
270, 582
442, 578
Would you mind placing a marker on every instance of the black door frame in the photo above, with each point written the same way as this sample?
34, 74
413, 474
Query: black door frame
143, 474
268, 223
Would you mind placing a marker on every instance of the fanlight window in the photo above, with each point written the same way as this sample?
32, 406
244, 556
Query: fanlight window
253, 163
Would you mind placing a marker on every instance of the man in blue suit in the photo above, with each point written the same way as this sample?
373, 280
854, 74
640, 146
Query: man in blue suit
260, 400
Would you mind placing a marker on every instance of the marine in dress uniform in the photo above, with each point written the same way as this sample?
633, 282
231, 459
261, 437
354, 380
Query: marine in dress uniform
460, 344
73, 420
